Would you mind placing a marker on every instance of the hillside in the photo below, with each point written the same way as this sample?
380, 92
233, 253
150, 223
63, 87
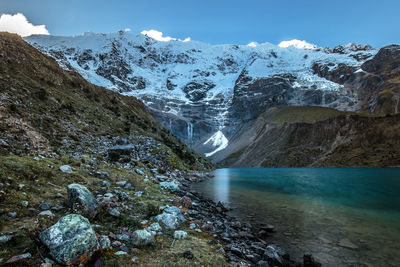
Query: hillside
95, 167
315, 137
46, 109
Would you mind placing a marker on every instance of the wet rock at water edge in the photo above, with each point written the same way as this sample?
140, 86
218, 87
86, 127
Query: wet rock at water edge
82, 201
71, 240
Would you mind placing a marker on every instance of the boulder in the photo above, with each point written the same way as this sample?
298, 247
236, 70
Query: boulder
71, 240
82, 201
171, 218
142, 238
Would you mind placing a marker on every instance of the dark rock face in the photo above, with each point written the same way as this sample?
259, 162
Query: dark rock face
251, 98
385, 62
71, 240
196, 91
375, 86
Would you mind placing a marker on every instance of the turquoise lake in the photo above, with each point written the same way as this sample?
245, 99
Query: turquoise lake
344, 217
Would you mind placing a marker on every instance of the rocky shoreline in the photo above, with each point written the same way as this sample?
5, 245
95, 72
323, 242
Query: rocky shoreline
244, 244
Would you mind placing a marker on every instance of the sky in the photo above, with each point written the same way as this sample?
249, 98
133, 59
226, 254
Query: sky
319, 22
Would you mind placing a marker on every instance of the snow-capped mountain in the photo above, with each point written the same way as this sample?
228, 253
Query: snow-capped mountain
202, 93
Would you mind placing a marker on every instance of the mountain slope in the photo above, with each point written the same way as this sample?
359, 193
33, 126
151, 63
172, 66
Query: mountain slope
197, 90
45, 108
217, 98
317, 137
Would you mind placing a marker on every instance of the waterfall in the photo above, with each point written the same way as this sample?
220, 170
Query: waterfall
190, 131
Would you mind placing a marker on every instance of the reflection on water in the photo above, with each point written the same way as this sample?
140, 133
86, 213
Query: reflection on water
344, 217
221, 187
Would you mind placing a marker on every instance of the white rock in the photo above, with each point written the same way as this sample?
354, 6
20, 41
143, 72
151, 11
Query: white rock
66, 169
180, 234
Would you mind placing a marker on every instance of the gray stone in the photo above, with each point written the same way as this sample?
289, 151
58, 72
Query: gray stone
105, 183
138, 194
44, 206
46, 213
16, 259
128, 186
24, 203
142, 238
122, 237
12, 214
5, 238
66, 169
81, 200
171, 217
119, 253
71, 238
114, 212
104, 242
120, 183
173, 186
180, 234
139, 171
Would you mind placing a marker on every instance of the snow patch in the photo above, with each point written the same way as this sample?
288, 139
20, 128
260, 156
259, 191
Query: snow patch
217, 140
297, 44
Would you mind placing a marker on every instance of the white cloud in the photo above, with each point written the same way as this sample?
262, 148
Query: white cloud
253, 44
127, 30
19, 24
156, 35
297, 44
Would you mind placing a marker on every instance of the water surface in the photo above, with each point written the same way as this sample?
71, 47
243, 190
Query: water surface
344, 217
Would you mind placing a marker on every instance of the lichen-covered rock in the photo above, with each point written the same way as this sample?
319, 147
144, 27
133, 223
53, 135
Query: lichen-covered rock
142, 238
71, 240
171, 217
82, 201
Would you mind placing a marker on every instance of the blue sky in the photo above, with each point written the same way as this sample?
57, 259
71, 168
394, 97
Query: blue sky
324, 23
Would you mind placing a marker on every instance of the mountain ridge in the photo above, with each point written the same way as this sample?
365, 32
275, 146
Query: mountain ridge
199, 91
